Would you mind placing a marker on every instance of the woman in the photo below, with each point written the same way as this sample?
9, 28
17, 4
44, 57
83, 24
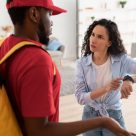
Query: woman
99, 73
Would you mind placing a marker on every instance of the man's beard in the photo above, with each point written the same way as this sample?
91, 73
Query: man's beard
43, 37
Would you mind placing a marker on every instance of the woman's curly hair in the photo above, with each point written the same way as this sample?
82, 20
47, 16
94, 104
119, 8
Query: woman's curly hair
116, 47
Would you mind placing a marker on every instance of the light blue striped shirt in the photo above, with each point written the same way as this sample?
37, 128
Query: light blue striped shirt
85, 82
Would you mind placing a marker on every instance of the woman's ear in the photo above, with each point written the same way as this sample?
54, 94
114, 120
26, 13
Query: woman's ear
109, 44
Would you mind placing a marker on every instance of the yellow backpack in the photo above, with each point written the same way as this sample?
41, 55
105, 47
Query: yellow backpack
8, 122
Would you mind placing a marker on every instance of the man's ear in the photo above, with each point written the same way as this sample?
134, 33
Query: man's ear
34, 14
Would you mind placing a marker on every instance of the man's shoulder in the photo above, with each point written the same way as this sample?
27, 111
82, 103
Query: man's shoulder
34, 53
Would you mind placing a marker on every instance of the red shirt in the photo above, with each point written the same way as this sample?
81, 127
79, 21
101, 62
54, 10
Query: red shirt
31, 80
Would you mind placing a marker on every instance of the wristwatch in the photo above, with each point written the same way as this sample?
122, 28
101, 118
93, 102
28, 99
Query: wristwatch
128, 77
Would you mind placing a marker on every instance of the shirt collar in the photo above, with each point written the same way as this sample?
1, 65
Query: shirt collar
89, 60
115, 59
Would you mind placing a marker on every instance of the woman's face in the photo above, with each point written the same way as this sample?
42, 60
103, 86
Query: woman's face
99, 39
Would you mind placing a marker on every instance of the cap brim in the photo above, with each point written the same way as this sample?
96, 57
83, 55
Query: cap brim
56, 10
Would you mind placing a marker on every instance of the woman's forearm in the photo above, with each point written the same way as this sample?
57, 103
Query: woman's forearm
98, 93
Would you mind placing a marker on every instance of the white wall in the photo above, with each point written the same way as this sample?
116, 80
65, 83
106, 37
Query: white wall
4, 17
64, 25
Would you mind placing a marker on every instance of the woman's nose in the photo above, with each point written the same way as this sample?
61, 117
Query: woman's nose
93, 39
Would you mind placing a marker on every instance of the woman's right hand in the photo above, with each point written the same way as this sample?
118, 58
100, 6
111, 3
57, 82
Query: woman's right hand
113, 85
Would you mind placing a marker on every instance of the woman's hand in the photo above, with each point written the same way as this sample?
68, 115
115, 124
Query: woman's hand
126, 89
113, 85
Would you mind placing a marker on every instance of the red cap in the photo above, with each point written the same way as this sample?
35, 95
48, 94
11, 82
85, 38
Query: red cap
48, 4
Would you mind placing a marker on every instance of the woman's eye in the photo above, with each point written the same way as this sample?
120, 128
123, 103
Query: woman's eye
100, 37
92, 34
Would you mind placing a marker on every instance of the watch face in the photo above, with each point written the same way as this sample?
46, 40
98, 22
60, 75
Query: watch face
127, 77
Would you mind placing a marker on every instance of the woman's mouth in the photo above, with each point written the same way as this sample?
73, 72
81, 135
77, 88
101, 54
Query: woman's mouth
93, 46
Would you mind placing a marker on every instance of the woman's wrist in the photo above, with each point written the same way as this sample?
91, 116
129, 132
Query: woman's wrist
129, 78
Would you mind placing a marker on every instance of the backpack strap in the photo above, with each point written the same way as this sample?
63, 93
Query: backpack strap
1, 41
13, 49
16, 47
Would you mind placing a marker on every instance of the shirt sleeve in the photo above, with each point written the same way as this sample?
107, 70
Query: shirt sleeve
82, 92
129, 64
35, 84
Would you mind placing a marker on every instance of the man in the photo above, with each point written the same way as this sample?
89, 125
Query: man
34, 87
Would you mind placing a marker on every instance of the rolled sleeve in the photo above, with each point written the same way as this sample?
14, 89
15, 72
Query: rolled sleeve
82, 92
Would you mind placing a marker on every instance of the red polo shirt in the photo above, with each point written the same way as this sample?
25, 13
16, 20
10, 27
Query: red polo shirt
31, 80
